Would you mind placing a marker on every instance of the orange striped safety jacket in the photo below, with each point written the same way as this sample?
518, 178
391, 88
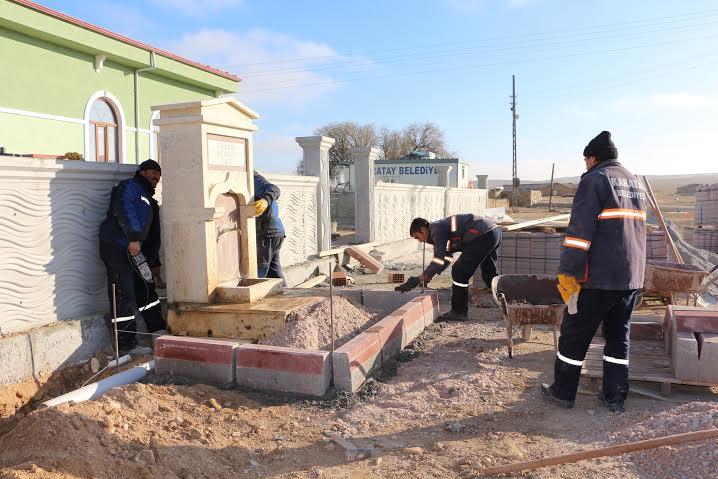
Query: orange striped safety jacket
605, 244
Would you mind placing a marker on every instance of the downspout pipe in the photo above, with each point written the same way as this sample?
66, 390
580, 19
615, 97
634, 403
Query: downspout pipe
95, 390
137, 104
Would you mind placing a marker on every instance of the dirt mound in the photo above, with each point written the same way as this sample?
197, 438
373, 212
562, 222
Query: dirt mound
309, 327
697, 459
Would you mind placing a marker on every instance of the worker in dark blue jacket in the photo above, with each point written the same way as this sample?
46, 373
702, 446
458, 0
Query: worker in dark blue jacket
130, 246
602, 264
477, 239
270, 230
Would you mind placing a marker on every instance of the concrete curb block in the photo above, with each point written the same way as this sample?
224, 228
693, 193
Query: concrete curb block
355, 360
296, 370
370, 350
284, 369
196, 358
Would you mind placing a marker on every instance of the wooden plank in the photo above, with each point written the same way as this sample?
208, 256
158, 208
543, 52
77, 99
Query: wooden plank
340, 250
649, 362
526, 224
661, 221
311, 282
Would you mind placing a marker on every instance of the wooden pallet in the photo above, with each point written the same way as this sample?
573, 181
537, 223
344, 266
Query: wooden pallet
648, 362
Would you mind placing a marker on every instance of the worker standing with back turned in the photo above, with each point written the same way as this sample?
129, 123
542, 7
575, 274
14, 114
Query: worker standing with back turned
602, 265
476, 237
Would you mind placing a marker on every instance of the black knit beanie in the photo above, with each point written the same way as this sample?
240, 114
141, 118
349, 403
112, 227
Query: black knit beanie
601, 147
149, 165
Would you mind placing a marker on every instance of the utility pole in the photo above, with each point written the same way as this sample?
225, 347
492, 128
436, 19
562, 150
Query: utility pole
514, 117
550, 193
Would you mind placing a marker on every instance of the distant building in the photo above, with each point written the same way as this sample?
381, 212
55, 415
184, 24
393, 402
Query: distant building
688, 189
418, 169
559, 189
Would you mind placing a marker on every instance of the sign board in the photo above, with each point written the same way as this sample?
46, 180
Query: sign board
226, 152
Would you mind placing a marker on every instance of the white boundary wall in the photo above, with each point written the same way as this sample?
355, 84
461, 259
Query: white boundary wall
50, 213
298, 212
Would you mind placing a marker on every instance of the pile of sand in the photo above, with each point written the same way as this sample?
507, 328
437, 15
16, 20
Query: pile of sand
309, 326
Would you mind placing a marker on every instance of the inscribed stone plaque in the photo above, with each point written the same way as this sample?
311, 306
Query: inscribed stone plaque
226, 152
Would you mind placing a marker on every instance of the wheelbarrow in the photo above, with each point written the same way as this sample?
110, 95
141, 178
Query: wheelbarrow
663, 279
527, 299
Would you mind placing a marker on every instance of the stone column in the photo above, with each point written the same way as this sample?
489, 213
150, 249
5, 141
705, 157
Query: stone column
482, 182
316, 163
445, 181
363, 158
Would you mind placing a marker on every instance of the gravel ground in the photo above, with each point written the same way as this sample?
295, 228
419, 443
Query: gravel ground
452, 404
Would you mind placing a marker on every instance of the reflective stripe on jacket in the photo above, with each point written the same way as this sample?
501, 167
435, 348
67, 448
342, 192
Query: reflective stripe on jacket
605, 244
449, 234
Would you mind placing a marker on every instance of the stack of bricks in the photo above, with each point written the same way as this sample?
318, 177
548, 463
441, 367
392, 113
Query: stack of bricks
656, 245
706, 209
702, 238
524, 252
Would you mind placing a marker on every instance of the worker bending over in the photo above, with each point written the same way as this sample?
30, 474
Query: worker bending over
602, 263
477, 239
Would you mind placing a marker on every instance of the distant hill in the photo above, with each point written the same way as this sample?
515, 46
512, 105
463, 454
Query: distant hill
662, 182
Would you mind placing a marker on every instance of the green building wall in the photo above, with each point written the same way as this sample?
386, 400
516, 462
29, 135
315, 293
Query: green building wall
57, 82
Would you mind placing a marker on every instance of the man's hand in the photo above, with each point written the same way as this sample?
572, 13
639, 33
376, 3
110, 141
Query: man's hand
157, 275
134, 248
567, 286
260, 206
410, 284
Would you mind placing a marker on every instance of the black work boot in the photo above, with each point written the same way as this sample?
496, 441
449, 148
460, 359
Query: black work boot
453, 316
613, 406
550, 395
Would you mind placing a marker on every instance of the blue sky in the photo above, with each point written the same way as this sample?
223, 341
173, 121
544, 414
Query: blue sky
645, 70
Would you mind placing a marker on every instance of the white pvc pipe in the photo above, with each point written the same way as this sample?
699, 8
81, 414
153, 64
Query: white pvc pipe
95, 390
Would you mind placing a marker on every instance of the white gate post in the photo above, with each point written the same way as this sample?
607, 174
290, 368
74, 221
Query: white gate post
316, 163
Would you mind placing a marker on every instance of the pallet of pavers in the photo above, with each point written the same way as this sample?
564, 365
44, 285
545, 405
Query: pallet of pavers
683, 349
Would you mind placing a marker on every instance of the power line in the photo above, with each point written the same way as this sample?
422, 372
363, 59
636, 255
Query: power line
469, 51
587, 28
285, 86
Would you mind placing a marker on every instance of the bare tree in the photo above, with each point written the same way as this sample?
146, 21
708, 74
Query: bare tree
423, 137
347, 135
390, 145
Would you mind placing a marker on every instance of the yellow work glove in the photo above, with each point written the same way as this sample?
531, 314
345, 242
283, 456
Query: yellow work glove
567, 286
260, 206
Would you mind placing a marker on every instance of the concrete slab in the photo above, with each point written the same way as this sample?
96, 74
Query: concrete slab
684, 356
708, 368
389, 301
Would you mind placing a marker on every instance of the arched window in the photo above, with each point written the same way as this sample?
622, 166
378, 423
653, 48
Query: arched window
103, 133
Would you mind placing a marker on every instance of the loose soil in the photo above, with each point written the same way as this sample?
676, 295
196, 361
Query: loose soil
453, 403
310, 327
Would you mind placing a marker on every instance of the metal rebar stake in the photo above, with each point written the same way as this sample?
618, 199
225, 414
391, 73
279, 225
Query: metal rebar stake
331, 302
114, 324
423, 265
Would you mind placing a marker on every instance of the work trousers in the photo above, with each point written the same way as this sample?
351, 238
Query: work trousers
481, 251
268, 264
136, 300
614, 309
